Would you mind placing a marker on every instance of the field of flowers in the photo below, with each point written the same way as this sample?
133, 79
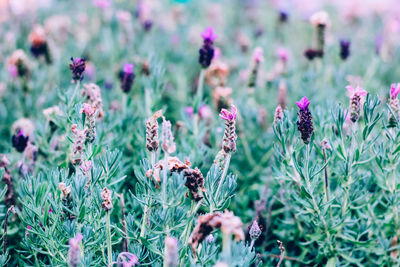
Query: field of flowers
199, 133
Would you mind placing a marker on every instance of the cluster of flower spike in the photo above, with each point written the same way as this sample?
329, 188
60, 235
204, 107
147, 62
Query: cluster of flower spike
304, 122
229, 139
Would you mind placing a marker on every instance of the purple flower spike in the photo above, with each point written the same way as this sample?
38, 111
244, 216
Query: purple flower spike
303, 103
229, 115
128, 68
394, 90
209, 35
77, 67
304, 122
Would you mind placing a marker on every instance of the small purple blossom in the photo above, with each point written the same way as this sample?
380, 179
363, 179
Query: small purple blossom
229, 115
303, 103
189, 111
209, 35
128, 68
394, 90
344, 49
77, 67
127, 77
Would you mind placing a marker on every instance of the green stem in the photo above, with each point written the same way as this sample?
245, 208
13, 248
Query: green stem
314, 202
164, 181
145, 214
226, 245
223, 175
109, 249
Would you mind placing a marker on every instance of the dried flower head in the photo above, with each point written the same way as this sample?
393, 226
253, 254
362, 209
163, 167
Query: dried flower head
39, 47
77, 67
304, 122
74, 253
31, 152
152, 142
320, 19
18, 64
26, 126
217, 73
65, 190
229, 139
282, 94
51, 112
106, 197
174, 165
222, 97
86, 166
168, 144
194, 182
325, 145
227, 222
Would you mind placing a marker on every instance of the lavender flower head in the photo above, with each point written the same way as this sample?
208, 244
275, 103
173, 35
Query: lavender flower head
304, 122
344, 49
356, 96
74, 250
20, 141
394, 114
229, 139
127, 77
254, 231
77, 67
206, 52
171, 257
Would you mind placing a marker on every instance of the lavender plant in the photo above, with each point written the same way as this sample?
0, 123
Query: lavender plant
131, 136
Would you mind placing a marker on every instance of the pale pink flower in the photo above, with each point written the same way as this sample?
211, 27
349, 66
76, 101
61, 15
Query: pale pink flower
394, 90
258, 55
126, 259
320, 18
282, 53
88, 109
102, 4
86, 166
351, 91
